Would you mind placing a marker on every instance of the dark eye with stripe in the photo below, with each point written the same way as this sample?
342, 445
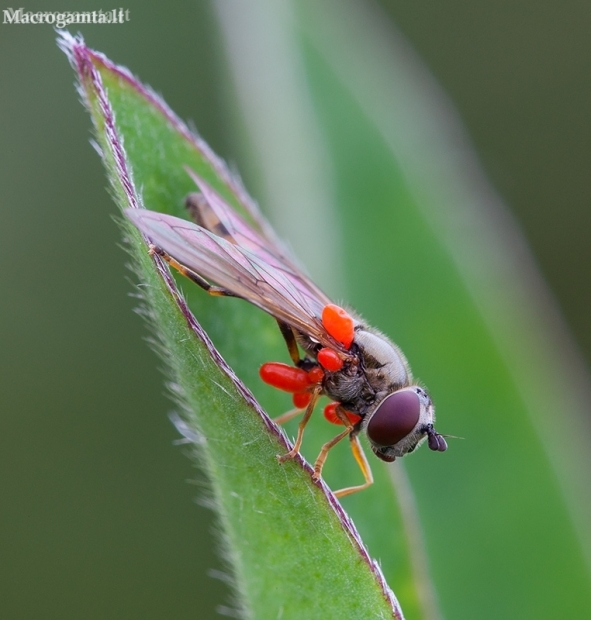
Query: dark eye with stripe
394, 418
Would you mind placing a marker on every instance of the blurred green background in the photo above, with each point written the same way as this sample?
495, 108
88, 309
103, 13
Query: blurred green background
97, 519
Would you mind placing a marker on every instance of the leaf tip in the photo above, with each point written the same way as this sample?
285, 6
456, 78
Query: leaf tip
78, 54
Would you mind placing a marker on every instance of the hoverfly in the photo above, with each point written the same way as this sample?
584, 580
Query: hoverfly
365, 375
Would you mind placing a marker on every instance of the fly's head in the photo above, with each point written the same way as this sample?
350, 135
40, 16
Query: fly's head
400, 422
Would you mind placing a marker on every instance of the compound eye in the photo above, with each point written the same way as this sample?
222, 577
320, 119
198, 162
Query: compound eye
394, 418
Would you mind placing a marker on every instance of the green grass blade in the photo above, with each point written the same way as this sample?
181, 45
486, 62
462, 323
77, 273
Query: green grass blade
293, 551
432, 258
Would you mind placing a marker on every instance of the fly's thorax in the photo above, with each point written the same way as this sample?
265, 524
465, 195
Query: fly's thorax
379, 369
383, 363
400, 422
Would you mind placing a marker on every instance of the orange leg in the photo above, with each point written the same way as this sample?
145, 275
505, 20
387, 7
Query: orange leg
307, 415
287, 416
357, 453
363, 465
319, 464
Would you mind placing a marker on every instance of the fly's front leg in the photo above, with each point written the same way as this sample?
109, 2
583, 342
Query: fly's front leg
189, 273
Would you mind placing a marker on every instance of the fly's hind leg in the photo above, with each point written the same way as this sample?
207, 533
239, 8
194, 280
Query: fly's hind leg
203, 215
192, 275
198, 207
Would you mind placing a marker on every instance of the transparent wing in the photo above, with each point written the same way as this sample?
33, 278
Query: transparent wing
256, 219
215, 215
238, 269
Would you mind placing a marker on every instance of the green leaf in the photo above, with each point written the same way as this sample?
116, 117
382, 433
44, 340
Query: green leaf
293, 551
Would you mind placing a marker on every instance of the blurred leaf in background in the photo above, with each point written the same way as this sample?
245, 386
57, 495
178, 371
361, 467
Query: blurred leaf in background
432, 257
99, 518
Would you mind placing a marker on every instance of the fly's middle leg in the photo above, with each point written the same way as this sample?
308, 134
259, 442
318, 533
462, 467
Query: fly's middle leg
304, 421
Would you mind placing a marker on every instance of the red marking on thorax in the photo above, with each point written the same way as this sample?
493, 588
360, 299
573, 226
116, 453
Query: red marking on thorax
339, 324
329, 359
